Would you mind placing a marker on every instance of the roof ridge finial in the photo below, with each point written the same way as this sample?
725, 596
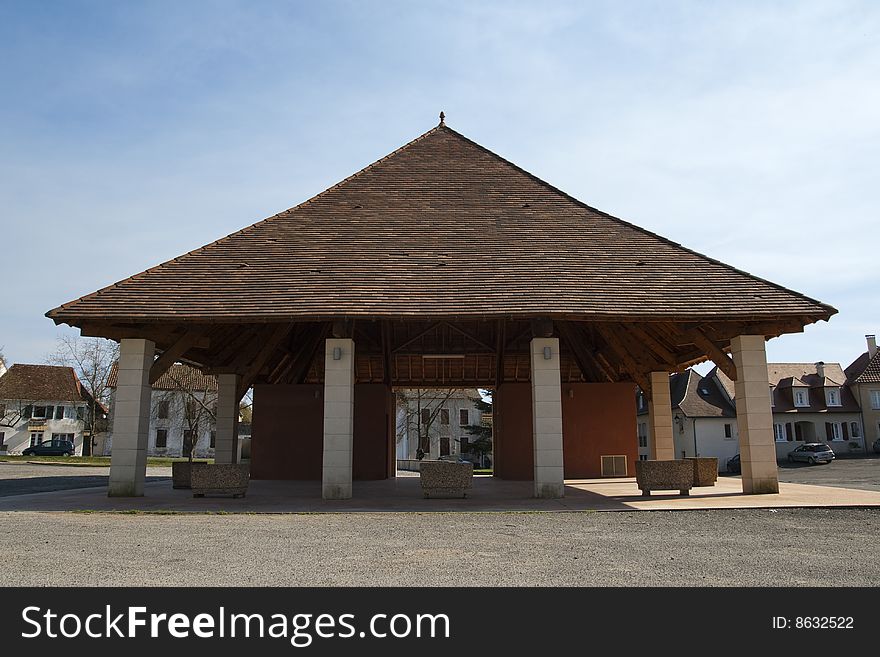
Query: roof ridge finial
442, 118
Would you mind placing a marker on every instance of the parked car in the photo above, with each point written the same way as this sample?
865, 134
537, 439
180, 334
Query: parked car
812, 453
51, 448
733, 465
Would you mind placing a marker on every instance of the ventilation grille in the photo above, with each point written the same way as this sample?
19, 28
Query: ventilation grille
614, 466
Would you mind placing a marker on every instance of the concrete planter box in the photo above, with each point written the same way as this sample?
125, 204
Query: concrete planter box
180, 473
705, 470
665, 475
220, 479
445, 479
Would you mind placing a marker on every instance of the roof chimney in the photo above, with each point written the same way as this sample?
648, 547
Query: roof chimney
872, 345
820, 369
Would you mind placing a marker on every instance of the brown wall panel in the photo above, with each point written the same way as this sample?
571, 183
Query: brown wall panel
598, 419
288, 425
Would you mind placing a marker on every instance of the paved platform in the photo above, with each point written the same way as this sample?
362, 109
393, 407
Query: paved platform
404, 494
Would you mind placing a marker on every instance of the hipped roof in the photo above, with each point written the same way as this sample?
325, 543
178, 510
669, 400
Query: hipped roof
441, 227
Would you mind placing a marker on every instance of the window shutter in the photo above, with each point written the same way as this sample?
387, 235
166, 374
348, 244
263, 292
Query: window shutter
27, 412
845, 431
828, 434
788, 433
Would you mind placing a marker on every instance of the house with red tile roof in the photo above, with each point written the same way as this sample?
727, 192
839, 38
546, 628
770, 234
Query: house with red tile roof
42, 403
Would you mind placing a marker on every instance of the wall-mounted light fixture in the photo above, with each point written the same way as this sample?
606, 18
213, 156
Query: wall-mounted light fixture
337, 353
548, 353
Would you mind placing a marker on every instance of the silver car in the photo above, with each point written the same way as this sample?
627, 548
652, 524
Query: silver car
812, 453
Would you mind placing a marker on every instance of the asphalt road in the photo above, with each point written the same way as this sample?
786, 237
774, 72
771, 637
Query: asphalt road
860, 473
687, 548
22, 478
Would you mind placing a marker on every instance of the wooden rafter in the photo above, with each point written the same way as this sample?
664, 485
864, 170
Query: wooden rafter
417, 336
173, 353
713, 351
250, 374
635, 372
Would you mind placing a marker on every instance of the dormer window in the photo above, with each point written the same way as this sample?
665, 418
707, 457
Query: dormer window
772, 401
801, 398
832, 396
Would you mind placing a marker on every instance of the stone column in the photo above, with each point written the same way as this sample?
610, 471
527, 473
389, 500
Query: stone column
547, 418
754, 417
131, 418
338, 418
226, 439
660, 412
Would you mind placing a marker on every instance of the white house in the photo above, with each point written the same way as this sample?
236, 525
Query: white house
811, 402
183, 407
440, 418
42, 403
703, 419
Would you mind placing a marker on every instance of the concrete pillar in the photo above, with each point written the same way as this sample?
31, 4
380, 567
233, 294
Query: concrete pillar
660, 412
547, 418
131, 418
226, 439
338, 418
754, 417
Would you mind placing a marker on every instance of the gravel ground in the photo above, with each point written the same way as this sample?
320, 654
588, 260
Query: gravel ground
699, 548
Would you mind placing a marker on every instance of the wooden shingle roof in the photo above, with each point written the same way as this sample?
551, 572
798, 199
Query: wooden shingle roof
442, 227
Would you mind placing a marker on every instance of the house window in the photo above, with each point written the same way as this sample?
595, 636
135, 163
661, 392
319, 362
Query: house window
39, 413
426, 416
728, 431
643, 457
36, 439
161, 438
463, 417
444, 416
189, 441
213, 439
836, 433
854, 430
779, 432
801, 398
832, 396
80, 413
772, 401
641, 401
875, 399
465, 445
59, 412
162, 410
643, 441
69, 413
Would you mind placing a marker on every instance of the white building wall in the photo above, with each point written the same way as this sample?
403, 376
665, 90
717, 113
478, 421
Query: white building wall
175, 424
18, 437
408, 433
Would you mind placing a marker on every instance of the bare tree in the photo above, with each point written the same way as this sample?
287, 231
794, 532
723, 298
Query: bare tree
91, 359
199, 407
423, 407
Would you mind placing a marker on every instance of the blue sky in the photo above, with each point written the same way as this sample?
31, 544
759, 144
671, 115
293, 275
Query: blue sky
133, 132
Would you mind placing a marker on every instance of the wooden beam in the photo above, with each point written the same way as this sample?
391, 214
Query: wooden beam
653, 344
250, 374
418, 335
468, 336
499, 353
307, 354
582, 357
713, 351
635, 372
385, 334
175, 351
